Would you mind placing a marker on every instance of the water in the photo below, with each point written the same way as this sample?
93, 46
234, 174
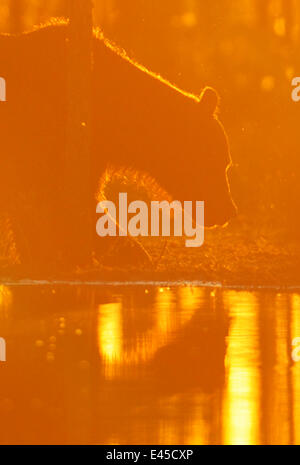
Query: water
148, 365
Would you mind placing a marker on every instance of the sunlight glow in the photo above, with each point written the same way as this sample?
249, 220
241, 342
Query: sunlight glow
281, 408
110, 335
241, 403
296, 368
145, 342
5, 299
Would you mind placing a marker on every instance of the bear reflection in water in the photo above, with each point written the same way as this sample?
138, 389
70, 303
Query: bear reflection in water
110, 365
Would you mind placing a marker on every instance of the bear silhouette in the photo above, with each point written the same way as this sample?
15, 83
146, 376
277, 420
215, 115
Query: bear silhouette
139, 121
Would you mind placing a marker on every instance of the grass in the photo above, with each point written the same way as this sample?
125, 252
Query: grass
240, 254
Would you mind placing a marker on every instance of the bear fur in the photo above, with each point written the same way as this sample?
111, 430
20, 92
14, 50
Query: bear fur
140, 122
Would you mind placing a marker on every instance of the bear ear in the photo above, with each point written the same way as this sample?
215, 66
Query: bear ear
209, 100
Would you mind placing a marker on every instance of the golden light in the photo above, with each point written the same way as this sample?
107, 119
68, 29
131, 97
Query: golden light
241, 400
267, 83
110, 335
280, 27
166, 322
295, 332
5, 298
165, 313
190, 299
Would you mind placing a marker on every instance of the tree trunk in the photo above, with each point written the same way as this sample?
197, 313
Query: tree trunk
16, 16
288, 12
77, 169
262, 8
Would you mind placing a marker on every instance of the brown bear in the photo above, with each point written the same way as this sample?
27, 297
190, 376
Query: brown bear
139, 121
